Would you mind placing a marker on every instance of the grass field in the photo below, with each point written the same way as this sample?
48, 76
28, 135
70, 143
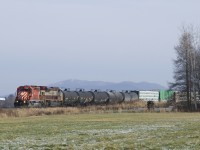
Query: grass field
102, 131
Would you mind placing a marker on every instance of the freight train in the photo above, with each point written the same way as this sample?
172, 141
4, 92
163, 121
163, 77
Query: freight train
43, 96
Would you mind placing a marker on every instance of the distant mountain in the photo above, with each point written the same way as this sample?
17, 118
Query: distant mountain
126, 85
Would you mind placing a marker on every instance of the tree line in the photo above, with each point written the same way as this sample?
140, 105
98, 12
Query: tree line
9, 102
187, 65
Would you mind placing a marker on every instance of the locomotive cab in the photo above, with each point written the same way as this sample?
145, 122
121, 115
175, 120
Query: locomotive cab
22, 96
28, 95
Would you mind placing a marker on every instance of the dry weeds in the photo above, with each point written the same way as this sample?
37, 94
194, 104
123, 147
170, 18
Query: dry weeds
136, 106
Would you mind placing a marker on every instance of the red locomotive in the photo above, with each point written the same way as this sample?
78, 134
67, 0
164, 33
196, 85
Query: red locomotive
26, 94
41, 96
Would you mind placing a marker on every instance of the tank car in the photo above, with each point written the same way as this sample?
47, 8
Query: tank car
100, 97
134, 95
71, 98
126, 95
85, 97
115, 97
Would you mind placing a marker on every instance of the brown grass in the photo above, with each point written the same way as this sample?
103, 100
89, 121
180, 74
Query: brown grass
136, 106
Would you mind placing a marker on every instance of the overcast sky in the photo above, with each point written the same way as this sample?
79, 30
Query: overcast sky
45, 41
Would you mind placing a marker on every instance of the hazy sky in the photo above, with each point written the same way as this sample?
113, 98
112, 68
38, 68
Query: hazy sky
45, 41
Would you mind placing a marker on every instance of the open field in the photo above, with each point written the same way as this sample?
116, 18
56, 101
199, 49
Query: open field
102, 131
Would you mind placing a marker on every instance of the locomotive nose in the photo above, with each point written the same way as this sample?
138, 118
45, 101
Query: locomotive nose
23, 95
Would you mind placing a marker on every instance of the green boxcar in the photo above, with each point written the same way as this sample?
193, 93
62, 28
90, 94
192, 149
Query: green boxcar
165, 95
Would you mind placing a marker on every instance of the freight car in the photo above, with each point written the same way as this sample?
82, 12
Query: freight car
85, 97
71, 98
148, 95
130, 96
101, 97
115, 97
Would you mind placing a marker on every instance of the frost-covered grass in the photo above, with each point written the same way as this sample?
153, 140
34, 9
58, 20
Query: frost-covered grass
102, 131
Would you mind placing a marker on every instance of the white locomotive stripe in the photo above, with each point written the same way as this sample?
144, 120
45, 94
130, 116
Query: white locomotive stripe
23, 95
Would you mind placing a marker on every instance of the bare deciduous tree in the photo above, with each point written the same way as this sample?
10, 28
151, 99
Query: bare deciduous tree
187, 65
9, 102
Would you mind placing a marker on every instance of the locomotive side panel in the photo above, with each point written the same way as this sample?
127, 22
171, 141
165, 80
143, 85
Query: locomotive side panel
54, 96
35, 93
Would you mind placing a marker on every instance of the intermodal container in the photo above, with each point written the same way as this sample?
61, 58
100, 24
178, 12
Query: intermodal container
165, 95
